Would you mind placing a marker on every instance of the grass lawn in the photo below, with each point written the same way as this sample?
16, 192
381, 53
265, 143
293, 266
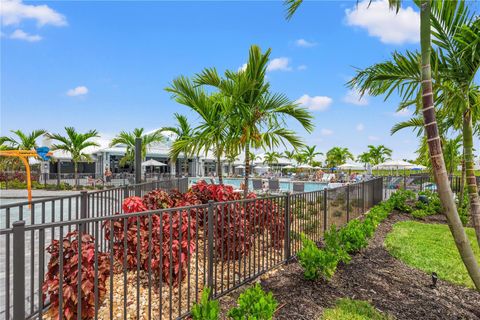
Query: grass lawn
347, 309
430, 247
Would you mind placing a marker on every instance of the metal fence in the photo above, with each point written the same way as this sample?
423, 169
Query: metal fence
154, 265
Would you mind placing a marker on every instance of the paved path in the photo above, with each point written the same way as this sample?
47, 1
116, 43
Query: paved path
22, 194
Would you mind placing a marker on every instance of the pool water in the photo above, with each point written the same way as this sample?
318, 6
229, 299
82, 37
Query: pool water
284, 185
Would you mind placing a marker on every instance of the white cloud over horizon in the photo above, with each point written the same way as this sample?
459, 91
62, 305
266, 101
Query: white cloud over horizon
13, 12
22, 35
305, 43
326, 132
315, 103
391, 27
77, 91
279, 64
353, 97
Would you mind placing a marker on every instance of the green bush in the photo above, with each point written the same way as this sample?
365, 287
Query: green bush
254, 304
207, 309
317, 262
334, 244
421, 213
353, 236
400, 198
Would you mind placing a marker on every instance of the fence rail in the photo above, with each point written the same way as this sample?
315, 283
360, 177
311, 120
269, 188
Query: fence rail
155, 264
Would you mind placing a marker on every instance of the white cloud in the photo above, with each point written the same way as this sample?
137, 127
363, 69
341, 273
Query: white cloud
304, 43
13, 12
403, 113
22, 35
386, 24
78, 91
280, 64
360, 127
317, 103
326, 132
243, 67
302, 67
373, 138
353, 97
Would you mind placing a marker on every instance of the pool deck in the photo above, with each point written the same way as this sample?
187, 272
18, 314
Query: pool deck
22, 193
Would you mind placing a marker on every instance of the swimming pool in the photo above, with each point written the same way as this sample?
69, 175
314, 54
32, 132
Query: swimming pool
284, 185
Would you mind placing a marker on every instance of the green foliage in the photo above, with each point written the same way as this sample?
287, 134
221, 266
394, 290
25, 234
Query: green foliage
207, 309
352, 310
254, 304
353, 236
431, 248
400, 198
310, 258
421, 213
334, 244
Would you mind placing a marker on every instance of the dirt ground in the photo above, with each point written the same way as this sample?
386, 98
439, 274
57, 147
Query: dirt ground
372, 275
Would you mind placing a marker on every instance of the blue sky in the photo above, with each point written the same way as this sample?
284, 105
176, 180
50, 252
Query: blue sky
104, 65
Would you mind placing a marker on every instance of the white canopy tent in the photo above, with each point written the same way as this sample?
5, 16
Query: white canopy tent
153, 163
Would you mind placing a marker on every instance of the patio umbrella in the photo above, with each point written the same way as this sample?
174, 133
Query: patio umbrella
352, 166
288, 167
240, 167
419, 167
153, 163
304, 166
394, 164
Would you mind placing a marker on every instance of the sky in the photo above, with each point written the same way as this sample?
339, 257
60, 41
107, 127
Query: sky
105, 64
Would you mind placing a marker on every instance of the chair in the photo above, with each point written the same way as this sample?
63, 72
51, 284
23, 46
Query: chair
298, 187
257, 185
273, 185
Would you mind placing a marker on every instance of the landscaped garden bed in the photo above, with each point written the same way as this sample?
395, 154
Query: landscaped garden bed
393, 288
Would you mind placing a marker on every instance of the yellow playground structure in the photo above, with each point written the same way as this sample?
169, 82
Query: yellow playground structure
42, 152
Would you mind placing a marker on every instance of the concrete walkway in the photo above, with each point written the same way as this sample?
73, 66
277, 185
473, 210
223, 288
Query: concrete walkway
22, 194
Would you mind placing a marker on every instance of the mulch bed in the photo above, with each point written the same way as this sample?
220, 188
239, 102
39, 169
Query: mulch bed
372, 275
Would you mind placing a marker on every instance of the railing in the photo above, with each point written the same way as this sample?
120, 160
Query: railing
156, 263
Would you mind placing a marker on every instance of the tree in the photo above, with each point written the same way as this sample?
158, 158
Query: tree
379, 154
21, 141
183, 140
447, 13
212, 131
271, 158
257, 118
338, 156
75, 143
451, 151
310, 153
364, 157
290, 155
128, 139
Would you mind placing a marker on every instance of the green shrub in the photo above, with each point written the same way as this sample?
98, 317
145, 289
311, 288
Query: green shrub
317, 262
207, 309
353, 237
334, 245
421, 213
254, 304
400, 198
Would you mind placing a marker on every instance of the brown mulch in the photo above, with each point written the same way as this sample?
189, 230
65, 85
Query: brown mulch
375, 276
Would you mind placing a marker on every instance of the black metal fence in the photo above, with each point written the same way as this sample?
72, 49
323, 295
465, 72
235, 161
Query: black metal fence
154, 265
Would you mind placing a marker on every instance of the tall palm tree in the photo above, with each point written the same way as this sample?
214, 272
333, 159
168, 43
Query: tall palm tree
75, 143
271, 158
183, 140
128, 139
310, 153
22, 141
290, 155
447, 14
338, 156
257, 117
451, 151
364, 157
379, 154
212, 131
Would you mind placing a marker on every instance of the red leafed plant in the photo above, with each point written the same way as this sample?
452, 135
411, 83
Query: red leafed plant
50, 287
180, 225
156, 200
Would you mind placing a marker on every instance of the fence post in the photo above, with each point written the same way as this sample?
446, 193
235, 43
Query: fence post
125, 192
83, 209
287, 227
363, 196
325, 209
18, 270
348, 202
210, 246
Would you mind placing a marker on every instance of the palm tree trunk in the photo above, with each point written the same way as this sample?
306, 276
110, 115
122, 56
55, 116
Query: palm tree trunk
247, 168
185, 164
75, 173
219, 169
436, 154
462, 181
470, 172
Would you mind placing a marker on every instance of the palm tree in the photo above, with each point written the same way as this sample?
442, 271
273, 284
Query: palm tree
364, 157
271, 158
443, 14
379, 154
310, 153
128, 139
22, 141
257, 118
451, 152
75, 143
213, 110
290, 155
183, 140
338, 156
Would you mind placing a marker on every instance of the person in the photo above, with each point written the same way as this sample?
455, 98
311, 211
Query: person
108, 175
